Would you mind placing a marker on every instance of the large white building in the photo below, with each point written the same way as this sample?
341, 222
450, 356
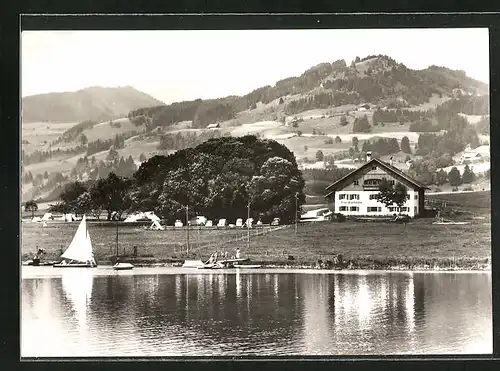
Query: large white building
355, 194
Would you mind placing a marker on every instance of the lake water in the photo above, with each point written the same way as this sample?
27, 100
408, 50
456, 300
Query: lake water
179, 312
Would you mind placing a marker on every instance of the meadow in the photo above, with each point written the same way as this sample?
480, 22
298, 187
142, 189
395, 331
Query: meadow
419, 244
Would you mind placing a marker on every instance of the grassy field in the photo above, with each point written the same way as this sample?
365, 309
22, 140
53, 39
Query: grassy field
40, 134
420, 244
477, 203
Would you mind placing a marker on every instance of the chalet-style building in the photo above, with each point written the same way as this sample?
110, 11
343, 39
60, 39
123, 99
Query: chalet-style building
355, 193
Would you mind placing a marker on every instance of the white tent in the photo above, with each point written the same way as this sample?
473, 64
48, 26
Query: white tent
36, 219
140, 215
156, 226
47, 216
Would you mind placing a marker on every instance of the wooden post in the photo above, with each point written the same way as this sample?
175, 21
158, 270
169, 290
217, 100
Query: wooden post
187, 228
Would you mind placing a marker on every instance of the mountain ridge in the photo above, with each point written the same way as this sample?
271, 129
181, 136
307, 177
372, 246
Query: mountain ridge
91, 103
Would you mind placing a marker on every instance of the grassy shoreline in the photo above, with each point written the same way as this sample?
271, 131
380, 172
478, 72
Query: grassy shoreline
420, 245
370, 245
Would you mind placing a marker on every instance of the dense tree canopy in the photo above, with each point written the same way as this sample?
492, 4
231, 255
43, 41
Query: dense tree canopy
218, 178
31, 206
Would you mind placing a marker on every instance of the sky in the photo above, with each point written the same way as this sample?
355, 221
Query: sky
173, 66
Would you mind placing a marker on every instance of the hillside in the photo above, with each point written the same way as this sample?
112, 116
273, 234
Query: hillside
321, 113
94, 103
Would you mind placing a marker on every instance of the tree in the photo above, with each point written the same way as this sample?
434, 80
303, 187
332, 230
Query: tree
343, 120
468, 176
338, 139
389, 194
142, 157
83, 203
83, 139
31, 206
454, 177
361, 125
112, 194
218, 177
281, 100
70, 194
355, 143
405, 145
319, 155
112, 155
329, 140
441, 177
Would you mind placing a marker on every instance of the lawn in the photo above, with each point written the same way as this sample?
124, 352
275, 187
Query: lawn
478, 203
361, 244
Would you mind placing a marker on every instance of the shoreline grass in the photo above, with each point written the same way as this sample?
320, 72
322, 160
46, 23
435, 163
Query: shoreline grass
420, 245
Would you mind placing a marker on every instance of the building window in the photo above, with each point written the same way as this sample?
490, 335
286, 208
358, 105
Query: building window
354, 197
343, 208
356, 182
373, 197
342, 196
372, 181
374, 168
393, 209
416, 196
374, 209
415, 210
404, 208
354, 208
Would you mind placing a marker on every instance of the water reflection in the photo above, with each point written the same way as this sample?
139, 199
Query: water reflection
77, 287
264, 314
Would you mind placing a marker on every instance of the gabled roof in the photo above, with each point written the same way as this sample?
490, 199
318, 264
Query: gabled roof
384, 165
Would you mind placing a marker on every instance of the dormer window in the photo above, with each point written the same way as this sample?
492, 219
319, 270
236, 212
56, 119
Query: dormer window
356, 182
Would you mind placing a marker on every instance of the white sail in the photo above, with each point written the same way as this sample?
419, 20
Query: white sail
80, 248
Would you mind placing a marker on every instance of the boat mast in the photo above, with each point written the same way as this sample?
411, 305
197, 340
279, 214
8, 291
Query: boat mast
187, 228
117, 238
248, 226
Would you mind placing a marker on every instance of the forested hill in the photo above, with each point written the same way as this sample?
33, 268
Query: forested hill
94, 103
375, 79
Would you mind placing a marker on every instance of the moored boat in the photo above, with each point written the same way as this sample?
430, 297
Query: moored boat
122, 266
248, 266
118, 266
79, 253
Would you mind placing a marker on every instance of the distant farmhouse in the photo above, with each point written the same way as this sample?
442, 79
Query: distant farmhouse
355, 194
472, 156
213, 126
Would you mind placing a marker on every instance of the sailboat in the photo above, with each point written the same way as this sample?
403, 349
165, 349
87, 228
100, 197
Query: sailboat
120, 266
236, 263
79, 253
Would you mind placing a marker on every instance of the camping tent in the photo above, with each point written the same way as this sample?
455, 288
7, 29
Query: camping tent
156, 226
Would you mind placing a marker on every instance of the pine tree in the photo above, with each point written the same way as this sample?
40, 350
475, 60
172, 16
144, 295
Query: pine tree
361, 125
319, 155
405, 145
468, 175
454, 177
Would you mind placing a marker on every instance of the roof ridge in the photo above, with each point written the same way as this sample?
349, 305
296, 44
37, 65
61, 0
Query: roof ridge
388, 167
